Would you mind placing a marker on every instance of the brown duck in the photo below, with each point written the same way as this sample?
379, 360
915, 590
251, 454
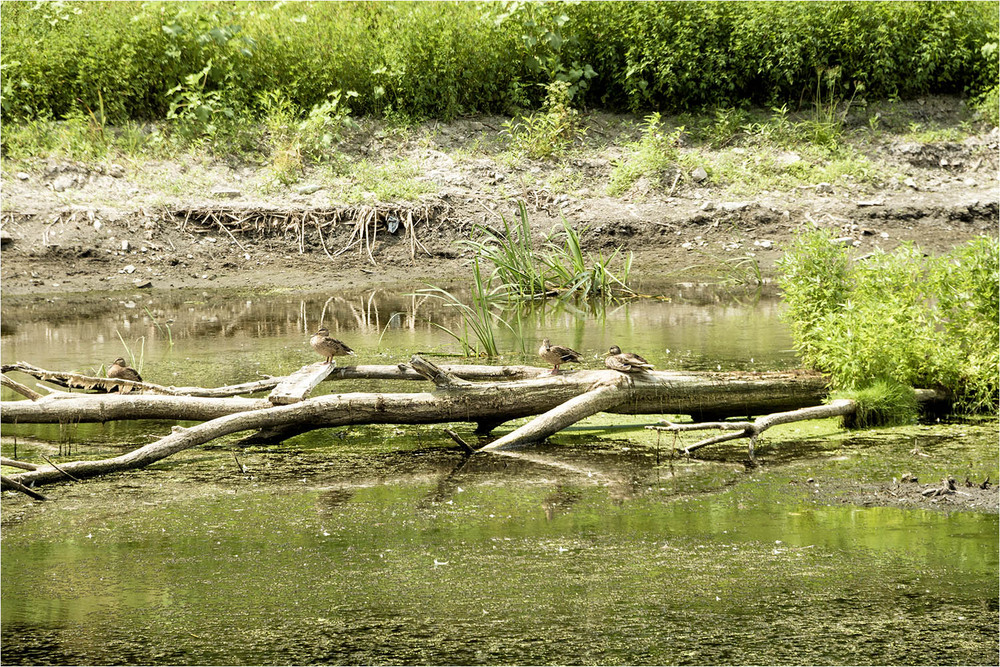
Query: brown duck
626, 362
328, 347
120, 370
557, 355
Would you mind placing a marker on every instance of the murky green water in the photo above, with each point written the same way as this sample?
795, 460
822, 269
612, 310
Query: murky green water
384, 545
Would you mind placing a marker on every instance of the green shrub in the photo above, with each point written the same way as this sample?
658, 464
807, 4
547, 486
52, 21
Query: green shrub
897, 316
551, 131
444, 59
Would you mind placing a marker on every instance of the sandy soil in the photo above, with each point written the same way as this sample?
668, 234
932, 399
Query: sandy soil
71, 227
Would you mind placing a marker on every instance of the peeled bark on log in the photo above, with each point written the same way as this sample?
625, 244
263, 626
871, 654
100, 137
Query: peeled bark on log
297, 386
65, 408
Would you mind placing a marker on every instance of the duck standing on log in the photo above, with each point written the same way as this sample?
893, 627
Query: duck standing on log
120, 370
626, 362
557, 354
328, 347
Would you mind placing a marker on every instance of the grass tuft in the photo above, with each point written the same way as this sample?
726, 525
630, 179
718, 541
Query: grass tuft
880, 403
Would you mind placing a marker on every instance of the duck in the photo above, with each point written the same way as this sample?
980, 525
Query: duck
328, 347
626, 362
120, 370
557, 355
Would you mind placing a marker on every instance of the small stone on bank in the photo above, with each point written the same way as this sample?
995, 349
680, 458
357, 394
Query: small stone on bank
231, 193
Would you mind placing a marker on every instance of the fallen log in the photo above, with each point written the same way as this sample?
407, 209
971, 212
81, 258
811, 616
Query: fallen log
8, 483
560, 400
701, 395
90, 383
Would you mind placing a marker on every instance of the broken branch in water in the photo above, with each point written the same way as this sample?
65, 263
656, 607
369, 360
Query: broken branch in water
752, 430
8, 483
27, 392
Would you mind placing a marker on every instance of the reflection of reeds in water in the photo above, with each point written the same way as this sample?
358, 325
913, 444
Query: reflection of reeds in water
479, 321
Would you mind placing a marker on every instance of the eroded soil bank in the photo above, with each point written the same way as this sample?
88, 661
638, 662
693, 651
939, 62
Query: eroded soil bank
192, 222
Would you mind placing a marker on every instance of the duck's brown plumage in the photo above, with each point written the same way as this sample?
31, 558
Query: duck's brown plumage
626, 362
120, 370
328, 347
557, 354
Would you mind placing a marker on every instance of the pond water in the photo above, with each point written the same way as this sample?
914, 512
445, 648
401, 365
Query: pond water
386, 545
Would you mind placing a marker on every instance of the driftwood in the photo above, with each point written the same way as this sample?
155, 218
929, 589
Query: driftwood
752, 430
89, 382
297, 386
555, 402
746, 429
8, 483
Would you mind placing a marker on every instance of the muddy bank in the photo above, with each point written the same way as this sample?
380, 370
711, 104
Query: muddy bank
72, 227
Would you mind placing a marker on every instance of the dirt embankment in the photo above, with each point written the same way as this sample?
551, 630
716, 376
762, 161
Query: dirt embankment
73, 227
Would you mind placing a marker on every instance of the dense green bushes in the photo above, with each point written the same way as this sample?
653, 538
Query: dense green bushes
442, 59
898, 317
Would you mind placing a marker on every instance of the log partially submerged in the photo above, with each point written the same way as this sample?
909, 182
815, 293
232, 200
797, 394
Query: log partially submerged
558, 401
701, 395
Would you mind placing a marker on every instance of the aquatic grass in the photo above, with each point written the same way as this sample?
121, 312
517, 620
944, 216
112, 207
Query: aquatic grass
162, 329
576, 274
478, 335
512, 255
134, 362
557, 270
882, 402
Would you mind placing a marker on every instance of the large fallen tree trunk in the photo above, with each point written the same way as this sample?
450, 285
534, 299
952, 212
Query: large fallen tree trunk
701, 395
560, 400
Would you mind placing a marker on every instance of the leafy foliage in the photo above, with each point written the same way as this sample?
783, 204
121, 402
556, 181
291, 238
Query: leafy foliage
550, 132
898, 317
443, 59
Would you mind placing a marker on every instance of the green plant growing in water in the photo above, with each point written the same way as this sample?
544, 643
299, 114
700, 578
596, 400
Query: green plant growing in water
880, 403
563, 269
478, 336
897, 317
513, 258
134, 362
576, 274
162, 329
